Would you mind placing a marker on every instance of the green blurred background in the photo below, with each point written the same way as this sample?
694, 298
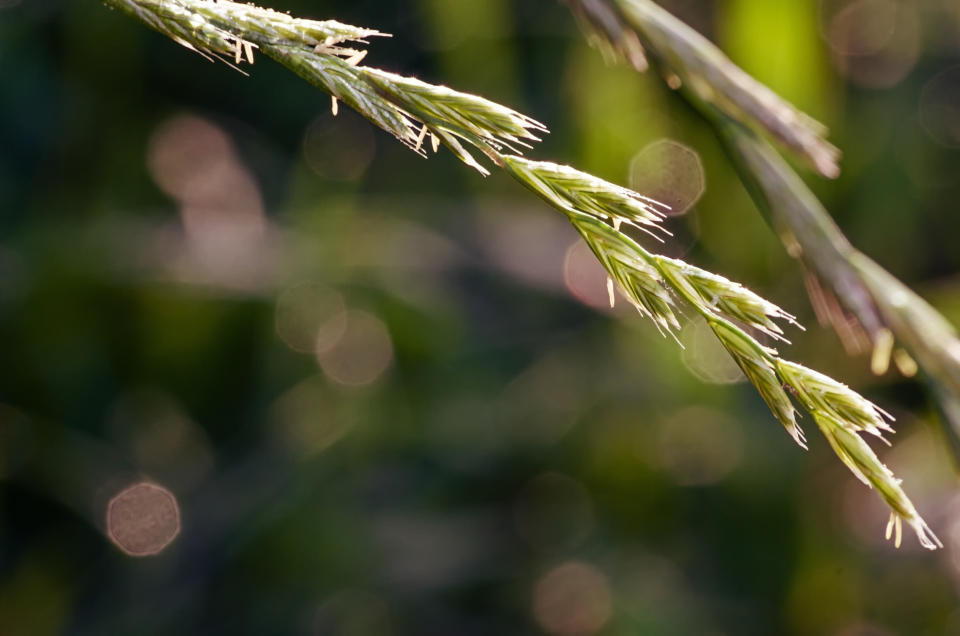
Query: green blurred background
388, 395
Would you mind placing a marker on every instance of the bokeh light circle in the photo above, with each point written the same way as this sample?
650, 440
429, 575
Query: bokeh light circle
572, 599
143, 519
361, 354
669, 172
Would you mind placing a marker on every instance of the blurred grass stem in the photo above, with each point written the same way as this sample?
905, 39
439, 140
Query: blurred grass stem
741, 111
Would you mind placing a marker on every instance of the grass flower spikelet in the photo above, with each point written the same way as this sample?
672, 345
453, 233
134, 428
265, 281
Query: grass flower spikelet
410, 109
